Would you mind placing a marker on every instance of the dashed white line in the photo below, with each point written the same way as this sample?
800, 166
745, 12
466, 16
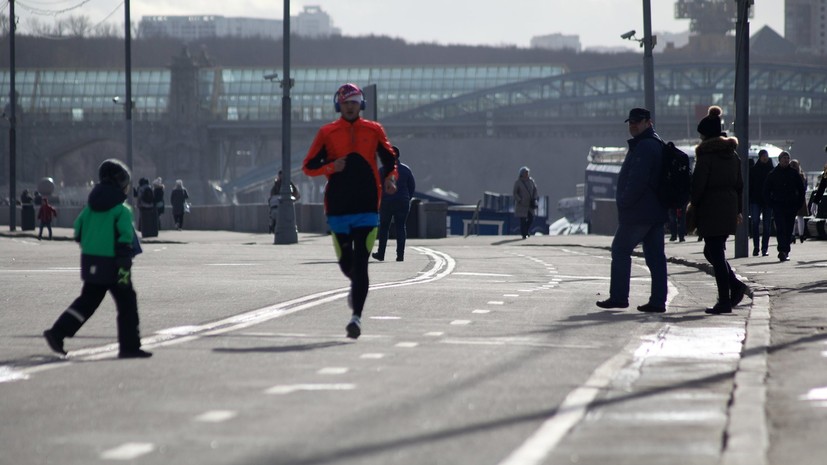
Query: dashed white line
333, 371
435, 333
385, 317
373, 356
291, 388
407, 345
481, 311
460, 322
216, 416
128, 451
496, 302
511, 295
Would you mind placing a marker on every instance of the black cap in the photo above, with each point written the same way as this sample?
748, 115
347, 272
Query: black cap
637, 114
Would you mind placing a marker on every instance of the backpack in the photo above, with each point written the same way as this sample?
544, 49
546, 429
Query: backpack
147, 196
675, 178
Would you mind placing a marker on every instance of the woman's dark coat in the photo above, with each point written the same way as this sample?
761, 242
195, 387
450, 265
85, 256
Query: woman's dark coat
717, 186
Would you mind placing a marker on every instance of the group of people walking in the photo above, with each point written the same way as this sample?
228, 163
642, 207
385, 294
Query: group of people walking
716, 207
151, 204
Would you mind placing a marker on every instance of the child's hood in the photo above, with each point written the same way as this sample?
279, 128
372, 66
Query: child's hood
105, 197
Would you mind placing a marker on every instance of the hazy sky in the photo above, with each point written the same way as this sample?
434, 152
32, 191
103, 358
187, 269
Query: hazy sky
472, 22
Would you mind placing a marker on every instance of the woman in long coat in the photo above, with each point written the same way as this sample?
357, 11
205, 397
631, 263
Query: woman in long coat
716, 197
525, 200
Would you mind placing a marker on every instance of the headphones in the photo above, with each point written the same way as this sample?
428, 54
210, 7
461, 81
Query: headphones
338, 107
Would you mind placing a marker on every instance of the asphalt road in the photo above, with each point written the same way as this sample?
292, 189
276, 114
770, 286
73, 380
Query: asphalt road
472, 353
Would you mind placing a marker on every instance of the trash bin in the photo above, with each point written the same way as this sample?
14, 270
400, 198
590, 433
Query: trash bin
435, 214
149, 222
27, 222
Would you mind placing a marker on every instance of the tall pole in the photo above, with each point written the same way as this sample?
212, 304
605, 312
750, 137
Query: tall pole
128, 74
648, 59
12, 126
286, 232
742, 117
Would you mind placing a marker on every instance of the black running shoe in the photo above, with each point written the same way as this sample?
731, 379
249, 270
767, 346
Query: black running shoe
55, 343
135, 354
609, 303
649, 308
378, 257
354, 328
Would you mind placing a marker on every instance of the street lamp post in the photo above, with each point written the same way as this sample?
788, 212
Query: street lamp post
128, 74
648, 43
742, 116
286, 232
12, 126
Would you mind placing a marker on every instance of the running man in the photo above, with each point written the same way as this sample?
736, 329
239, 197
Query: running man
345, 152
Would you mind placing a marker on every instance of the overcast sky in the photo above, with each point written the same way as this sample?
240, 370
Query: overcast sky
471, 22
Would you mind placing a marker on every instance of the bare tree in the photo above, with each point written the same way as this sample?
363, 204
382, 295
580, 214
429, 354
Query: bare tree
76, 26
109, 30
4, 25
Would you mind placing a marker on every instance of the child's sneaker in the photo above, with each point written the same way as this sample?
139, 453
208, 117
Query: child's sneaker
354, 328
55, 343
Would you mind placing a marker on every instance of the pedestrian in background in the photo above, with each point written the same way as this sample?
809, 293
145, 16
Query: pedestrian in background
275, 198
45, 215
640, 215
158, 198
178, 199
395, 207
345, 152
760, 211
818, 192
525, 200
677, 224
717, 188
785, 192
108, 244
26, 210
799, 226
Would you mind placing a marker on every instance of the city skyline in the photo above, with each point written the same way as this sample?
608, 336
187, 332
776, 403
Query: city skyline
594, 21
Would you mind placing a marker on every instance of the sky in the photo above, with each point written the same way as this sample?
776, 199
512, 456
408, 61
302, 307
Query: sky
467, 22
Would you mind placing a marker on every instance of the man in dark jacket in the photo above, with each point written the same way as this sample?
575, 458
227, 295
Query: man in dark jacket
640, 216
396, 207
784, 190
760, 211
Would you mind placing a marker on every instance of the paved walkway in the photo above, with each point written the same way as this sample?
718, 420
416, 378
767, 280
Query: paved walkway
773, 378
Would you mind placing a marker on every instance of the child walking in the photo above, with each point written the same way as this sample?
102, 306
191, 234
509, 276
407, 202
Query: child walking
108, 244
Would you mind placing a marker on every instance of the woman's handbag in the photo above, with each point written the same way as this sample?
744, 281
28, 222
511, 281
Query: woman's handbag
691, 219
186, 207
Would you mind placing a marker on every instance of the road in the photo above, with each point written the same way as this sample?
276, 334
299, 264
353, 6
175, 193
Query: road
472, 352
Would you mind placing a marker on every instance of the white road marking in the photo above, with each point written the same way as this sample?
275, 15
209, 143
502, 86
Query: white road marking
481, 274
815, 394
515, 341
495, 302
434, 334
216, 416
511, 295
442, 265
407, 345
385, 318
372, 356
128, 451
8, 373
333, 371
233, 264
291, 388
481, 311
461, 322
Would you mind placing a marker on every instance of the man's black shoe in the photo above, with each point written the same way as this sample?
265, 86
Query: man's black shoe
400, 258
378, 257
354, 328
719, 309
609, 303
55, 343
649, 308
755, 252
135, 354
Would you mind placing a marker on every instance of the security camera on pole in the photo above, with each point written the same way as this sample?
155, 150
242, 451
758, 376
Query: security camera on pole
648, 43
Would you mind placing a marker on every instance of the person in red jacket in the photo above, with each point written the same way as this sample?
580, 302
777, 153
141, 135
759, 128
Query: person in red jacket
345, 151
45, 215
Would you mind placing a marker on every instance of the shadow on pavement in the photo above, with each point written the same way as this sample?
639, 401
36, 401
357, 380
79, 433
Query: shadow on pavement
280, 349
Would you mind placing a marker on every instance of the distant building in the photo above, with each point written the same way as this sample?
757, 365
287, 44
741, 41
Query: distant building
806, 26
557, 41
311, 22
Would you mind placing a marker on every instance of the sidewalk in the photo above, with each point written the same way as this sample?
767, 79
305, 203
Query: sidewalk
778, 409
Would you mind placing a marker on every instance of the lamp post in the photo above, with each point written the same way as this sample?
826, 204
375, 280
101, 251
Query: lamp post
12, 126
742, 116
286, 232
648, 43
128, 75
